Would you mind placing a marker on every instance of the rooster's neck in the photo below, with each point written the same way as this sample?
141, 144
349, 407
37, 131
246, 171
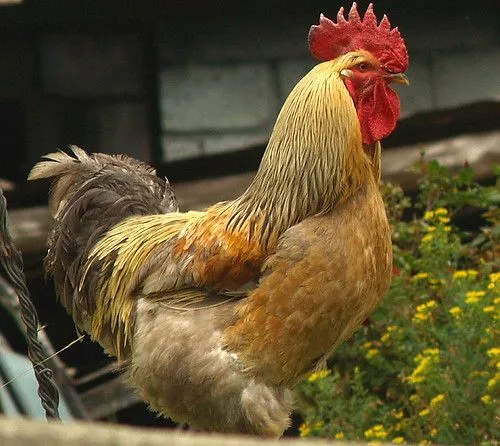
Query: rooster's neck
314, 158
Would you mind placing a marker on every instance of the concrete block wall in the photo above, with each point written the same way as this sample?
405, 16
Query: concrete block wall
97, 81
221, 81
93, 64
83, 88
222, 84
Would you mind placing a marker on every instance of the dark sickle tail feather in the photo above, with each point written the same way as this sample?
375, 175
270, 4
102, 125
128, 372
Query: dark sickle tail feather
89, 195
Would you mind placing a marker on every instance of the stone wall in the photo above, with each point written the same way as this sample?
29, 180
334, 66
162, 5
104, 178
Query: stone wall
85, 87
222, 83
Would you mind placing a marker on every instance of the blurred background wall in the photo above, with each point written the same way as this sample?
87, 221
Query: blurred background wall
184, 80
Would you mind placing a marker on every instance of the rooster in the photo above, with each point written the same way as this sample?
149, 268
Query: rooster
217, 314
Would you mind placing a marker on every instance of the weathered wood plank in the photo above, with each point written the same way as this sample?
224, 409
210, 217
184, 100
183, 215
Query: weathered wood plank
21, 432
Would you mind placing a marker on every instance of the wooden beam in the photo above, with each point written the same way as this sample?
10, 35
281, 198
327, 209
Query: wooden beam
22, 432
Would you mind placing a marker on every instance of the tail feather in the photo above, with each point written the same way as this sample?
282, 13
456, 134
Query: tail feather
89, 195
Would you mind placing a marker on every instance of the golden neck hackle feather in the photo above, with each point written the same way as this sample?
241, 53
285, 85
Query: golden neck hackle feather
314, 158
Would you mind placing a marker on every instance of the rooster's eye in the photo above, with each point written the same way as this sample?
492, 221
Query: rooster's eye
363, 66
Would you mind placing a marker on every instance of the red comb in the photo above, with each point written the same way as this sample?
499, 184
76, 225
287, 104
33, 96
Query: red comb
328, 40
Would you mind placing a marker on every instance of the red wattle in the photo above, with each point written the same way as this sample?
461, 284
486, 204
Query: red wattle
378, 112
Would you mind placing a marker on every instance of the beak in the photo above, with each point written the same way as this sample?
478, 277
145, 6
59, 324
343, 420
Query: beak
345, 73
398, 78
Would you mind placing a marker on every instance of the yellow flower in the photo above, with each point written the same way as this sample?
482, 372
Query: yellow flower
416, 379
420, 276
496, 301
433, 432
444, 220
441, 211
460, 274
320, 374
370, 354
491, 286
473, 297
398, 440
304, 430
415, 399
472, 300
421, 308
386, 337
438, 399
494, 277
492, 383
489, 309
455, 312
376, 432
493, 353
447, 228
398, 414
425, 361
339, 436
426, 238
431, 304
429, 215
486, 399
423, 313
319, 424
367, 344
424, 413
431, 228
419, 317
418, 375
475, 294
431, 352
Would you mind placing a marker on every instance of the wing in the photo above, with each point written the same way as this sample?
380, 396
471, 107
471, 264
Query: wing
113, 273
184, 260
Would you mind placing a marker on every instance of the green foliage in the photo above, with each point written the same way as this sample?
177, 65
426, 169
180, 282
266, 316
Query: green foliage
425, 369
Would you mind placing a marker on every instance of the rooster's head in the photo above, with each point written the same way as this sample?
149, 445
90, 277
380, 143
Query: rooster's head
372, 56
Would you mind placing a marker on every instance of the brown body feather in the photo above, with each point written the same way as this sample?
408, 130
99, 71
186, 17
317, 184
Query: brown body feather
220, 311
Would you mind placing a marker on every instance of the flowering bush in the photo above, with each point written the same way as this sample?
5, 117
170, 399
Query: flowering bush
425, 368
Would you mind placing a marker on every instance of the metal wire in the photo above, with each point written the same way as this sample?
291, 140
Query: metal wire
12, 263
